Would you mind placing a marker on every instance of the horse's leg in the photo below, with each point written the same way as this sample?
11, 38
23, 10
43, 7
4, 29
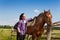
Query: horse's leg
28, 37
39, 34
38, 37
33, 37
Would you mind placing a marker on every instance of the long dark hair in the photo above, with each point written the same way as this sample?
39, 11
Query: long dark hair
20, 18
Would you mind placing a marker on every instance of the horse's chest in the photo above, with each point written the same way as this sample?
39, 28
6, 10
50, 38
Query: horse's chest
36, 28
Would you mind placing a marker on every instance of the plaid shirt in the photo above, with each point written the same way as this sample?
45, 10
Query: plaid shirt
23, 26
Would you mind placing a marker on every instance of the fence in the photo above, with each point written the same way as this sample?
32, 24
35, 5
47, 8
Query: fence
10, 34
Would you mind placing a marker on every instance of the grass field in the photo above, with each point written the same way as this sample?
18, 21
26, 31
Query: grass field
5, 34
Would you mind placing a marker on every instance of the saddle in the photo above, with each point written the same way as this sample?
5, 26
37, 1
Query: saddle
31, 22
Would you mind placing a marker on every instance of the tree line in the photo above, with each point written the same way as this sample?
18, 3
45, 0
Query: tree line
8, 26
5, 26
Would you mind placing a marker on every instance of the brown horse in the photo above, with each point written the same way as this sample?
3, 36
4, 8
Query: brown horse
37, 29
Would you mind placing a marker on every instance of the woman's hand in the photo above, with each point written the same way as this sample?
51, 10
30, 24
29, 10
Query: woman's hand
18, 30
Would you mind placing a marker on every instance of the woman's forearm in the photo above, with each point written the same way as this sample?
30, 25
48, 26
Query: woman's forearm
29, 19
18, 29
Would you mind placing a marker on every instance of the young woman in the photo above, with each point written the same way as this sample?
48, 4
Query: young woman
22, 26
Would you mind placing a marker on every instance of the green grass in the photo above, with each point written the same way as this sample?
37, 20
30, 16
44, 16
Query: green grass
5, 34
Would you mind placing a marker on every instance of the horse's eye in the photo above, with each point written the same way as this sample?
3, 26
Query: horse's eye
46, 16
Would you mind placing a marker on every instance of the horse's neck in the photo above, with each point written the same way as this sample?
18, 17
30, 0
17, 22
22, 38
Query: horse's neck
40, 22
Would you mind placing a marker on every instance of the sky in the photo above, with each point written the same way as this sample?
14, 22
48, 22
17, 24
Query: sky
11, 9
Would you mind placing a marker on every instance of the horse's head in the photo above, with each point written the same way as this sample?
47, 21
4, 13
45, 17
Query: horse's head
48, 18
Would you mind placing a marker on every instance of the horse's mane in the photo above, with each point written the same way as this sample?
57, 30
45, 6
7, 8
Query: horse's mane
33, 20
41, 14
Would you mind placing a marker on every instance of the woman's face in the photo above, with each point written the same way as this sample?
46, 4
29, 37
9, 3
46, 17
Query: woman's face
24, 17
